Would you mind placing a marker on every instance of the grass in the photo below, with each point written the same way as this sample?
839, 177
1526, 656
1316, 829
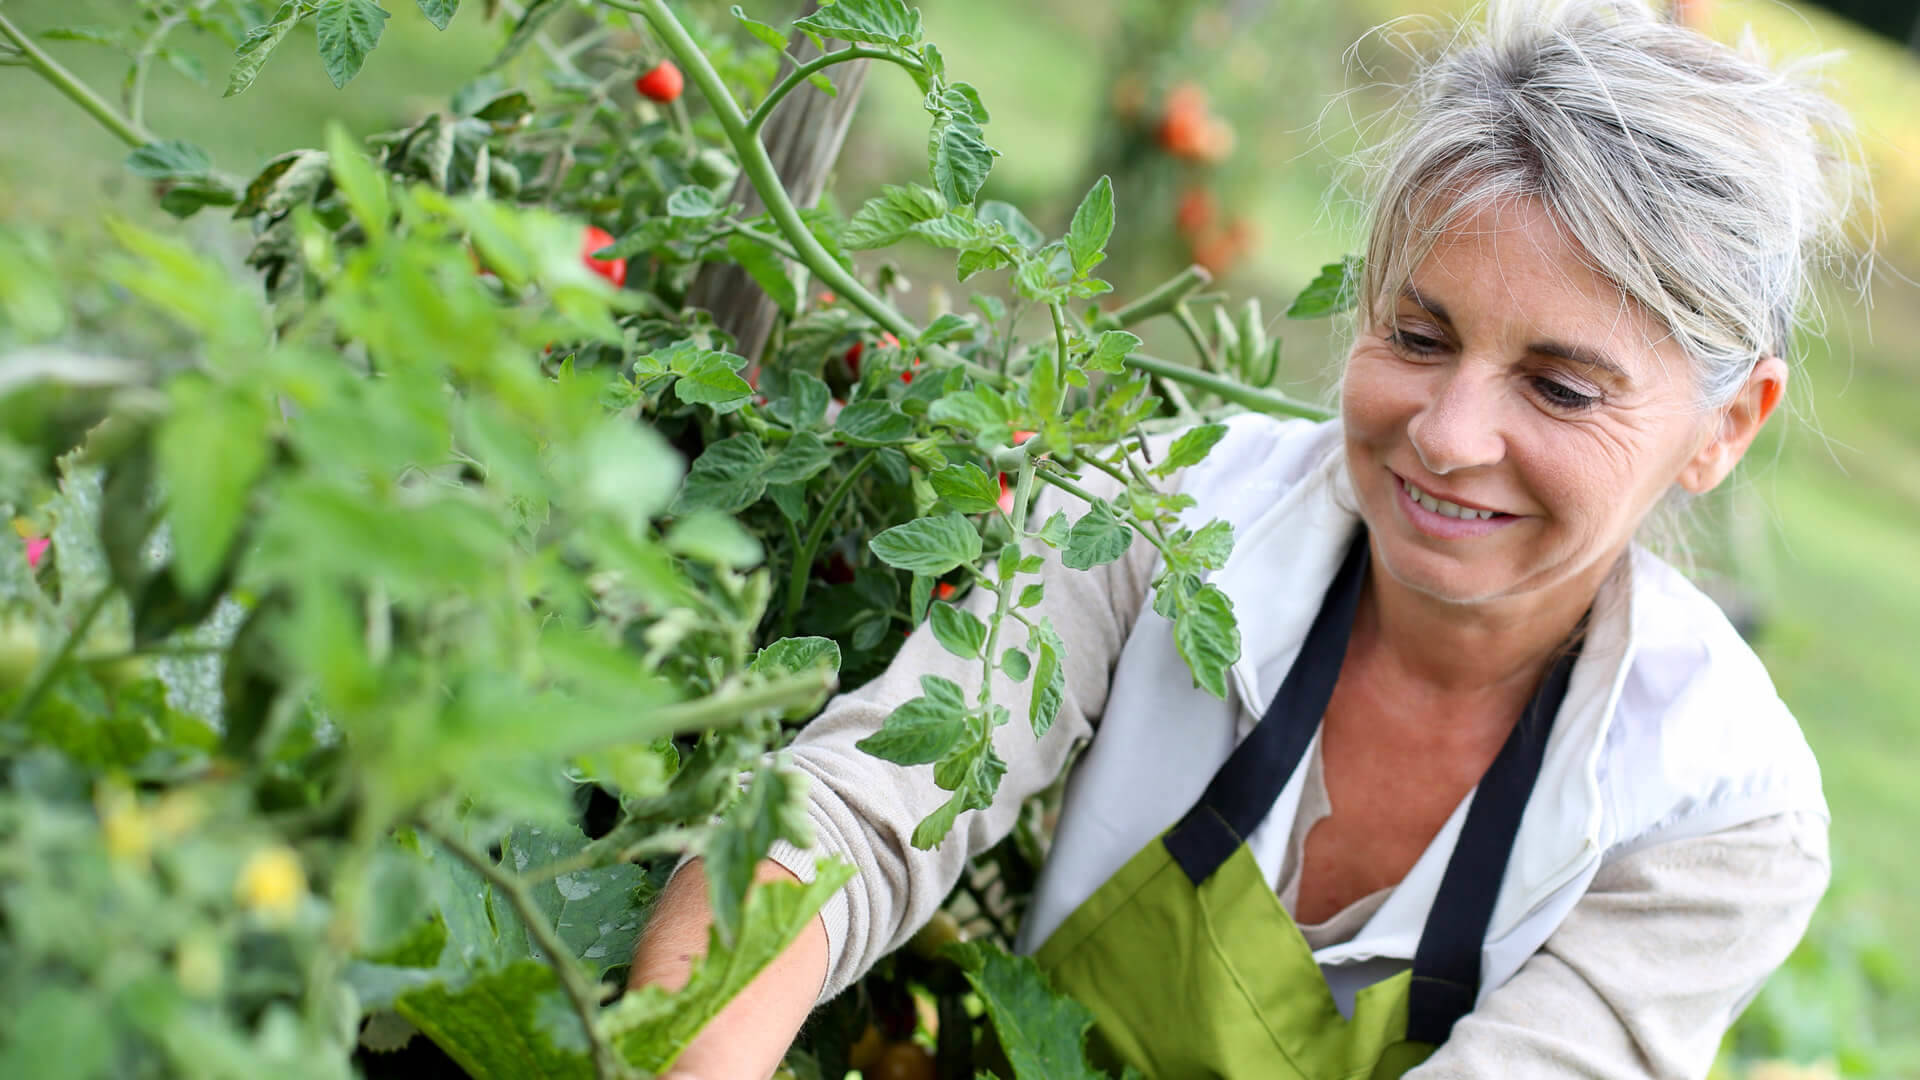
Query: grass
1833, 497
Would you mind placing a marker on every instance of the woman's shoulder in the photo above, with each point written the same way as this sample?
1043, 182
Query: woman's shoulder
1699, 717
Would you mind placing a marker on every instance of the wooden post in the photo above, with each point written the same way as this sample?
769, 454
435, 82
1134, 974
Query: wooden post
803, 137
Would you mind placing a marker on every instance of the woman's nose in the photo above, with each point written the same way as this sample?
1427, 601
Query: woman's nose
1459, 427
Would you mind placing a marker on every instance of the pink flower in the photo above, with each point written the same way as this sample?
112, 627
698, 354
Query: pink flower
36, 547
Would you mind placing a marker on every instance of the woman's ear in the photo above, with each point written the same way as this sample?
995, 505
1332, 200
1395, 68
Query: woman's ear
1740, 421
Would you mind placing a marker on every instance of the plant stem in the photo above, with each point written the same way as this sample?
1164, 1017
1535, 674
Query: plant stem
772, 243
799, 75
1262, 401
759, 166
1059, 314
1158, 302
43, 678
1195, 336
129, 132
1090, 498
584, 996
803, 558
728, 704
1003, 589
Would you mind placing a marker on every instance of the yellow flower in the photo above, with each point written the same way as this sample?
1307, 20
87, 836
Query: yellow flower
272, 882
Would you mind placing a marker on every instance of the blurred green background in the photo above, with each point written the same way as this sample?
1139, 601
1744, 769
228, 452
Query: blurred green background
1824, 519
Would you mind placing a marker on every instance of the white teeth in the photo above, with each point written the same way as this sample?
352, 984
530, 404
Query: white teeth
1443, 507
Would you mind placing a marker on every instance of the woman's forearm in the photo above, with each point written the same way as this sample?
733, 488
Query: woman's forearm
752, 1033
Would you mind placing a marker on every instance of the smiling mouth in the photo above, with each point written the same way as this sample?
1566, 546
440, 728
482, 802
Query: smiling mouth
1443, 507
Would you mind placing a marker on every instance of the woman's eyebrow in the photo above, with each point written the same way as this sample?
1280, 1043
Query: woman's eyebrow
1579, 354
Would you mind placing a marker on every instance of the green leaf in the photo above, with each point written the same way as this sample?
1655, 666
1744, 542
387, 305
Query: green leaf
792, 655
1210, 546
967, 488
91, 35
958, 631
981, 412
348, 30
972, 771
887, 217
512, 1022
259, 44
804, 405
876, 22
594, 910
1032, 595
919, 732
651, 1026
727, 476
774, 39
1049, 677
1054, 532
803, 458
1015, 664
1334, 290
363, 187
873, 422
950, 230
1008, 217
1190, 448
439, 12
170, 159
709, 378
211, 449
767, 271
1092, 226
959, 159
715, 539
1208, 638
948, 327
1097, 538
974, 262
734, 849
1110, 352
1042, 1032
930, 545
692, 201
533, 16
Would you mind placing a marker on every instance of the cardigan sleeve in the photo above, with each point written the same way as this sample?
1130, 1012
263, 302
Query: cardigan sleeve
1653, 964
863, 809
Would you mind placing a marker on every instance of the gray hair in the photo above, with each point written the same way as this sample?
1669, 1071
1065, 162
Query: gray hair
1700, 180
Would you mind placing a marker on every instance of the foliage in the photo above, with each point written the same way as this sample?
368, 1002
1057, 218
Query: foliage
442, 523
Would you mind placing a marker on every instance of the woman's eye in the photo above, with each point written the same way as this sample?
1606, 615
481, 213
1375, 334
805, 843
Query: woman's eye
1561, 395
1412, 342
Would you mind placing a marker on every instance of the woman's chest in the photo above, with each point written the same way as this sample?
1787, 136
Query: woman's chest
1392, 781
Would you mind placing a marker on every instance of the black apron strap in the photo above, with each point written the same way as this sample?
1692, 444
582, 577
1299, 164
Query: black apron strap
1446, 967
1243, 792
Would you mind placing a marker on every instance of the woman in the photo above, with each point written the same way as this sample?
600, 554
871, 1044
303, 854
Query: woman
1495, 792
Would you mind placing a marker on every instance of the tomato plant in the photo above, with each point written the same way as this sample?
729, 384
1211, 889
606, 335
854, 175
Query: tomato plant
394, 629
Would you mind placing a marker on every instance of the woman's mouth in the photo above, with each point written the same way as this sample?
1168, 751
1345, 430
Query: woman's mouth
1444, 519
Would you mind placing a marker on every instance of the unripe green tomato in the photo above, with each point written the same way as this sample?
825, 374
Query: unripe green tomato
19, 650
123, 672
712, 167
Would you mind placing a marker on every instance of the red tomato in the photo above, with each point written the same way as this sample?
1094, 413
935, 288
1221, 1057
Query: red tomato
943, 590
595, 238
857, 348
663, 84
1195, 211
1006, 495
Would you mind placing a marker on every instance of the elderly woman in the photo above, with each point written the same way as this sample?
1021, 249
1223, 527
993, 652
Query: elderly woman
1495, 792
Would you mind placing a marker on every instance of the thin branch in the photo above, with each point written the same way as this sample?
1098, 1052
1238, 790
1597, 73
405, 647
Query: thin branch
1251, 397
585, 997
69, 84
800, 74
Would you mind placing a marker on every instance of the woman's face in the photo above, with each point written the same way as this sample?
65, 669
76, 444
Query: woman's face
1511, 417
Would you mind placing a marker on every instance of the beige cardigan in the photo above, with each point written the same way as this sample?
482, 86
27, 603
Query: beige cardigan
1642, 978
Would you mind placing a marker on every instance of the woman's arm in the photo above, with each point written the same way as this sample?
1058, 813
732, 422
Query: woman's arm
863, 809
1653, 965
751, 1034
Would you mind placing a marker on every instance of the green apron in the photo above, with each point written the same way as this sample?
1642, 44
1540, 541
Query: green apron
1194, 970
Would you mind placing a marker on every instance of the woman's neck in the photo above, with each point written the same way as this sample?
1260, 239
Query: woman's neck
1470, 651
